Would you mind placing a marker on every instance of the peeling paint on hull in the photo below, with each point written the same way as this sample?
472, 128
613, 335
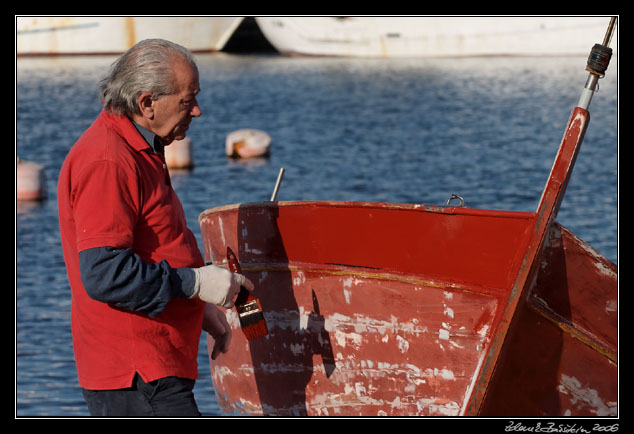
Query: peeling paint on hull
340, 361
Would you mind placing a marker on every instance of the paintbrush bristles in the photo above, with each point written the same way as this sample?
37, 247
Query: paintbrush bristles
256, 330
252, 319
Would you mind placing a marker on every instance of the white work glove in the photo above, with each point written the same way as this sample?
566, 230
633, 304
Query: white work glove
215, 323
218, 285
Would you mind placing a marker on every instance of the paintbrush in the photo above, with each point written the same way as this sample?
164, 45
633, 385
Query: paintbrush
247, 305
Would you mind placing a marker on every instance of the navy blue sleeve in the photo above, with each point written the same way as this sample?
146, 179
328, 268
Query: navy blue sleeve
119, 277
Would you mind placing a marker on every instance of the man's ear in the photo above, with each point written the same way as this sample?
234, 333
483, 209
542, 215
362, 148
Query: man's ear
146, 106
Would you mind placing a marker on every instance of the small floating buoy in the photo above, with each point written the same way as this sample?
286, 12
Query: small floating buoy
178, 154
30, 181
247, 143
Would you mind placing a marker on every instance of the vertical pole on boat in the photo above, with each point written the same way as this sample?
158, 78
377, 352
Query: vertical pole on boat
277, 184
597, 64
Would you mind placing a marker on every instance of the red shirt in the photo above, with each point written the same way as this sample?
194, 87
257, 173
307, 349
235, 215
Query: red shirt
113, 190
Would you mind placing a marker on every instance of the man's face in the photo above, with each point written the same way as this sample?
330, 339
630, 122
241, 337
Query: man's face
173, 113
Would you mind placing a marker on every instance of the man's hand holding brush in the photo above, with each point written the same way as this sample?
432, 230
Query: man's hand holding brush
217, 285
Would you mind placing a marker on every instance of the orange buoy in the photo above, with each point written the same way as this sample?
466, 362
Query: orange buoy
179, 155
30, 181
247, 143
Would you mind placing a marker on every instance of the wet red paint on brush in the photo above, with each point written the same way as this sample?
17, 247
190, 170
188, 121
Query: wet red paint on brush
247, 305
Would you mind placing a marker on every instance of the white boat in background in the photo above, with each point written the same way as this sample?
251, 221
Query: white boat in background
432, 36
55, 35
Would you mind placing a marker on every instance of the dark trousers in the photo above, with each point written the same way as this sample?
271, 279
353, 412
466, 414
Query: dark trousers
168, 397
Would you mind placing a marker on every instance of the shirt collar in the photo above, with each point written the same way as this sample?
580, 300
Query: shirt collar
151, 138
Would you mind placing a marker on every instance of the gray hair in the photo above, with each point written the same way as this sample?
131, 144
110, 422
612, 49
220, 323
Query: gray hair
146, 67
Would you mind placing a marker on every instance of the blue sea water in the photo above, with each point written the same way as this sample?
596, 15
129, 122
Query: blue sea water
411, 130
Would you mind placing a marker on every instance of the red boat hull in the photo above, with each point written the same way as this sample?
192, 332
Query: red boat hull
378, 318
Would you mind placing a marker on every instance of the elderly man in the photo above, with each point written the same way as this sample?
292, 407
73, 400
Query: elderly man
140, 291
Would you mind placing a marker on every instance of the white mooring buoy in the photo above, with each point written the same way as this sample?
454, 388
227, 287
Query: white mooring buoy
179, 154
30, 181
247, 143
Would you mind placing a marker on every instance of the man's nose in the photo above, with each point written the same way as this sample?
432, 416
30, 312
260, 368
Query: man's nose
196, 111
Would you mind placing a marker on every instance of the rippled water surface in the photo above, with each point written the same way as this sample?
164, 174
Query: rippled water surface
412, 131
